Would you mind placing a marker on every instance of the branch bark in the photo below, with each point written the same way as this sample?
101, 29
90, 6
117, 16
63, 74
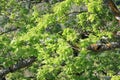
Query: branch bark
111, 4
103, 47
20, 64
9, 30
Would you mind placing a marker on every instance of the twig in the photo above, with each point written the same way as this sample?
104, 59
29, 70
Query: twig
9, 30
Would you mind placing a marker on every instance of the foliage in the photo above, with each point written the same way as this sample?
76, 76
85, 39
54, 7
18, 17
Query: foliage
52, 33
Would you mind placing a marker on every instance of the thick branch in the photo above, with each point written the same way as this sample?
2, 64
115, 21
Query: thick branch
113, 7
20, 64
103, 47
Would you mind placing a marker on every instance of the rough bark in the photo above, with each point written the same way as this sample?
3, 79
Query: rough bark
20, 64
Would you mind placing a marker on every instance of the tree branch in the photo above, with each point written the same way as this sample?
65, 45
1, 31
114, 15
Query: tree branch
103, 47
20, 64
77, 12
9, 30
